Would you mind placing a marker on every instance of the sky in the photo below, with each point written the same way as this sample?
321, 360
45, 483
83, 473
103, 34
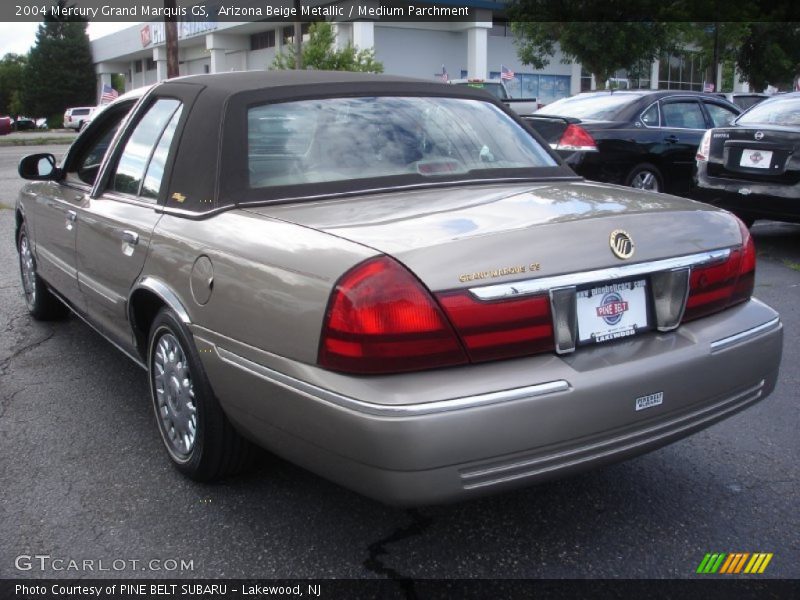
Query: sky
19, 37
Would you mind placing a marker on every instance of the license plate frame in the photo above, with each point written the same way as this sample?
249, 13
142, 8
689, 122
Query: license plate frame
613, 310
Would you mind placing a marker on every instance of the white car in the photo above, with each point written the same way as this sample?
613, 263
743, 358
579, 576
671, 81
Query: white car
78, 117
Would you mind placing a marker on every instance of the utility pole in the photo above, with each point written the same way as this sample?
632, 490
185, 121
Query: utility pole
717, 79
298, 38
171, 33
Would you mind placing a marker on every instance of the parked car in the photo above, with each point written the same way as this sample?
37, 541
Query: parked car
497, 88
753, 166
77, 118
5, 125
390, 282
640, 138
743, 100
24, 123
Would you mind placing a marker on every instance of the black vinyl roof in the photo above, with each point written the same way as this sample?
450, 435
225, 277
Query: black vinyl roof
243, 81
210, 171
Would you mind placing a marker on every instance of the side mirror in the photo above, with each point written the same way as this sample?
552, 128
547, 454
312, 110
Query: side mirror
38, 167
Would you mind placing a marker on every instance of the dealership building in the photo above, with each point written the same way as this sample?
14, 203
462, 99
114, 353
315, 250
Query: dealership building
476, 48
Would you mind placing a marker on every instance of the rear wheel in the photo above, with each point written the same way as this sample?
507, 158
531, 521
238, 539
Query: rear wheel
645, 177
41, 303
199, 439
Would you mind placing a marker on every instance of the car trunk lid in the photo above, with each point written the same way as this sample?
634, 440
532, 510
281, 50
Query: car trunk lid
480, 235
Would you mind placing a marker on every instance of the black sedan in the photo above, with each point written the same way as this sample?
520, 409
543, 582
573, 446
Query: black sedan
642, 138
753, 166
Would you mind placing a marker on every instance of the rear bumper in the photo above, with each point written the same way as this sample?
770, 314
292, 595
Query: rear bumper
752, 198
457, 433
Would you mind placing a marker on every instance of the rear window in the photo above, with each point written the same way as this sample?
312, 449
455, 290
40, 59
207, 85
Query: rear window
774, 111
339, 139
77, 112
596, 107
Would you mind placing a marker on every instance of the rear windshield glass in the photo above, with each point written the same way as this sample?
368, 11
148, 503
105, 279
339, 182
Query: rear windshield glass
776, 111
595, 107
337, 139
79, 111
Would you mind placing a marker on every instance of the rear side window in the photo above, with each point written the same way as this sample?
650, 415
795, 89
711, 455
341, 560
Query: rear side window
683, 115
650, 116
141, 147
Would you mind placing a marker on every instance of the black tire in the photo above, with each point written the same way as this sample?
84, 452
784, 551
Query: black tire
41, 303
645, 176
81, 125
217, 449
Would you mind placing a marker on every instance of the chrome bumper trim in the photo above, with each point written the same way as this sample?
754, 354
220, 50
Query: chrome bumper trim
545, 284
732, 340
385, 410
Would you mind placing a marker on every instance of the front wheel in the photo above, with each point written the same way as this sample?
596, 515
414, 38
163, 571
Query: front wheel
645, 177
198, 437
41, 303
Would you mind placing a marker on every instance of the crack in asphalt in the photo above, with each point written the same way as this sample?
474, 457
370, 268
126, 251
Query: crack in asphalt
5, 402
419, 524
4, 363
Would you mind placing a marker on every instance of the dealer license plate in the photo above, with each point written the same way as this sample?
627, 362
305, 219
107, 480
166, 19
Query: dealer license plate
612, 311
756, 159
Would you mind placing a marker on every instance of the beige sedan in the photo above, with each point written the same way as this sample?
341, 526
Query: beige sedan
390, 282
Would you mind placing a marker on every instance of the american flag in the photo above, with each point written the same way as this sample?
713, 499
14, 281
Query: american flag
506, 73
109, 94
445, 77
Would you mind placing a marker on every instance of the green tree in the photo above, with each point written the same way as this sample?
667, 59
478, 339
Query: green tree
118, 82
12, 68
59, 73
601, 47
320, 52
770, 54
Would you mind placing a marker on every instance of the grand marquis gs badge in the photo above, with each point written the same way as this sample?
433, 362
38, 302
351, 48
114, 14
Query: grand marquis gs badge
621, 244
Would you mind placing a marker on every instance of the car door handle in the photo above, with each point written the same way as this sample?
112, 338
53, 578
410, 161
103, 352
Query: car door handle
129, 237
671, 139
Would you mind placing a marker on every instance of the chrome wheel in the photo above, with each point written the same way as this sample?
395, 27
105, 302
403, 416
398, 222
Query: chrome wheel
28, 270
174, 395
645, 180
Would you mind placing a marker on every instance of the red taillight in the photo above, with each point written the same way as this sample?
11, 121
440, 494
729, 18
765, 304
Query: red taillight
381, 319
500, 329
704, 149
576, 138
717, 286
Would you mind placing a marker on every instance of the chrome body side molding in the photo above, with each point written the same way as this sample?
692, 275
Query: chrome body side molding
745, 335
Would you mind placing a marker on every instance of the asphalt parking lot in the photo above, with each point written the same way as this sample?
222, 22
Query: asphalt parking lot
83, 477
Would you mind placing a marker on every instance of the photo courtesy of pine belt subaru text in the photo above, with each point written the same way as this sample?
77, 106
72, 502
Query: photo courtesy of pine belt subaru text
393, 283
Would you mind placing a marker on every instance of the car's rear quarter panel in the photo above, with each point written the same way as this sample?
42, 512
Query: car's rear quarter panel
271, 282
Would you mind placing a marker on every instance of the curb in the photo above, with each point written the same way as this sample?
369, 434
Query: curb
40, 141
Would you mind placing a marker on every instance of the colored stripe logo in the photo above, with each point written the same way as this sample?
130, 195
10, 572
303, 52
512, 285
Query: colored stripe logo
734, 563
